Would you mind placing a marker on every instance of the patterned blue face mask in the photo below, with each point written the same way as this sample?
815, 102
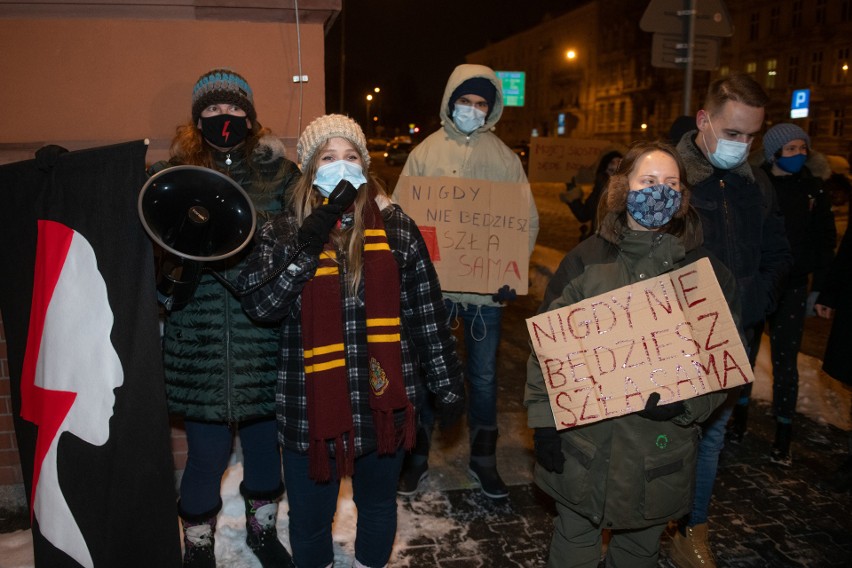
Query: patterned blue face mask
652, 207
329, 175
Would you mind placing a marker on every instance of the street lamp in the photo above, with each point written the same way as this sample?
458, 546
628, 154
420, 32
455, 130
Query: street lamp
369, 101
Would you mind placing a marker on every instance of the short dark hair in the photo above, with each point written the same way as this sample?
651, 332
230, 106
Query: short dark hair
737, 87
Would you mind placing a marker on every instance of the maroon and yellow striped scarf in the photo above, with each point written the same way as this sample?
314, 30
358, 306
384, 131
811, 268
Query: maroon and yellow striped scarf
327, 382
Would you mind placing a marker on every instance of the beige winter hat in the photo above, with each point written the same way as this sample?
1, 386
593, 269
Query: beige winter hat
331, 126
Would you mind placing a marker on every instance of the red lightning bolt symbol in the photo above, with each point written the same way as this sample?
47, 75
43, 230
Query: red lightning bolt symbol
225, 132
44, 407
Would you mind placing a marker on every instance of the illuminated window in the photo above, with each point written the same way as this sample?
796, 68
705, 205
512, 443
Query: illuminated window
751, 67
771, 72
842, 65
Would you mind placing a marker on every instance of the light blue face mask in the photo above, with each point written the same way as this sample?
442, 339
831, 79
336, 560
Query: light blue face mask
329, 175
729, 153
468, 118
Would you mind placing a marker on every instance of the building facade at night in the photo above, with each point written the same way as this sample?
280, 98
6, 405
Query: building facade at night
589, 72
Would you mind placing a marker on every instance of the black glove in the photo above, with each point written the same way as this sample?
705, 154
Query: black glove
316, 227
504, 294
548, 449
449, 413
661, 413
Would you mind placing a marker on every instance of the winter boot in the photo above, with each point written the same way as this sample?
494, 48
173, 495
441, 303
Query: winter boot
738, 424
415, 467
691, 549
261, 536
199, 538
780, 452
483, 463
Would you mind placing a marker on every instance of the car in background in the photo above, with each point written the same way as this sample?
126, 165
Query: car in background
376, 144
397, 152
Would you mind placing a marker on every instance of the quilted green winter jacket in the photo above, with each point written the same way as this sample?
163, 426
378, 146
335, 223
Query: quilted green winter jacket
220, 365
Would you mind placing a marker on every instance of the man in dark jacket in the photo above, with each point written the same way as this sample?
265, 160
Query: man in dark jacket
742, 226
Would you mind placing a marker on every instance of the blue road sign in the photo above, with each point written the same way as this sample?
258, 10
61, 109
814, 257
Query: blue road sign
799, 103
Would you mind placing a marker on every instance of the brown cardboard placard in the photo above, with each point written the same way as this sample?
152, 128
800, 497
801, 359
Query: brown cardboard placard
555, 159
477, 231
672, 334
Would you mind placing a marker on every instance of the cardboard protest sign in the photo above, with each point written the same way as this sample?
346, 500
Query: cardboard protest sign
672, 334
560, 159
477, 231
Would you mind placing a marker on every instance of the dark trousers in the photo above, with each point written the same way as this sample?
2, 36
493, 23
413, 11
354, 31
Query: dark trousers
209, 449
312, 508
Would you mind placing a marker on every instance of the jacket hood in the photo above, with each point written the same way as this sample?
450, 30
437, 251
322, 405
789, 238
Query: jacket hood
698, 167
461, 74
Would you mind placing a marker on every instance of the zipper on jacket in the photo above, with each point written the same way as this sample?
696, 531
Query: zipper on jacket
228, 385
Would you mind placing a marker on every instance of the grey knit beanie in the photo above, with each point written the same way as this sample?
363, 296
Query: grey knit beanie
329, 126
780, 134
222, 86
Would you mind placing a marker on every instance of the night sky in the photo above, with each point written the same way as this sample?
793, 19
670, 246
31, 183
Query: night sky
408, 48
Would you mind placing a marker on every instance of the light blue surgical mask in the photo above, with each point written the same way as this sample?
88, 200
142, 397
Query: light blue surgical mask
729, 153
792, 164
654, 206
329, 175
468, 118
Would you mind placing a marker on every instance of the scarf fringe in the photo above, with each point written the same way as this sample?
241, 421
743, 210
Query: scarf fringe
318, 460
388, 437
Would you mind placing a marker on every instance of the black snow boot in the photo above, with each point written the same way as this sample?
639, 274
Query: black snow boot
199, 538
483, 463
415, 466
261, 535
780, 452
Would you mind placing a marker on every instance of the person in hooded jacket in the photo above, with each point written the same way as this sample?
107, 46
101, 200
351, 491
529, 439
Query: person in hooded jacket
466, 147
587, 211
364, 331
809, 224
220, 365
613, 474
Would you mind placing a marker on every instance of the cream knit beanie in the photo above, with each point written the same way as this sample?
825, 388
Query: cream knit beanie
329, 126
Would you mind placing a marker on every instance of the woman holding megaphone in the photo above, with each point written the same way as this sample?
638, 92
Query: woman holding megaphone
219, 364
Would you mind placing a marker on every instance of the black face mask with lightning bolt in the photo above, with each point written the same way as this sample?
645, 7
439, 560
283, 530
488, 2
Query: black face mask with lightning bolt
224, 130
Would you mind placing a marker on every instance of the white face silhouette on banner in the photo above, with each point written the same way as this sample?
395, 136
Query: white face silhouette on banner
70, 371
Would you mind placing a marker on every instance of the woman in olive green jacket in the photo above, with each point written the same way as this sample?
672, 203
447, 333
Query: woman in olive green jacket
616, 474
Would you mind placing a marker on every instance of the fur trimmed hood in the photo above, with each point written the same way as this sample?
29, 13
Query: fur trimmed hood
698, 167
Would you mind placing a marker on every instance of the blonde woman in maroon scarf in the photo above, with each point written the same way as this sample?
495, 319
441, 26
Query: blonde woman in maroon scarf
364, 330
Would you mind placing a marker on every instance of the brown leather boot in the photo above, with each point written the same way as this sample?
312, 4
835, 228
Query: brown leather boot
691, 549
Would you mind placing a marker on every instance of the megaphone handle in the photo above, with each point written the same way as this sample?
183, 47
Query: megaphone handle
239, 293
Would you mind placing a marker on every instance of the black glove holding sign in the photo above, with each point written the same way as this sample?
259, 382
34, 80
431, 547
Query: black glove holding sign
315, 229
548, 449
661, 412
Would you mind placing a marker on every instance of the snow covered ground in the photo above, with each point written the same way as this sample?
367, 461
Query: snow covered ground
820, 398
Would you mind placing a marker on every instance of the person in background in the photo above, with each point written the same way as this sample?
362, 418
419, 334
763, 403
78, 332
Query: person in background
834, 303
219, 365
599, 473
791, 166
363, 331
466, 147
586, 211
744, 229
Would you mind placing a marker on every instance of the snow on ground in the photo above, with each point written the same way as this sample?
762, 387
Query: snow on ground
821, 399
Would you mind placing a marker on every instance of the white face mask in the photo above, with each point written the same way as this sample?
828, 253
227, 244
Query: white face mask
329, 175
468, 118
729, 153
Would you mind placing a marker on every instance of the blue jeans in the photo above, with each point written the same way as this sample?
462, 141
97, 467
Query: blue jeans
208, 451
713, 440
481, 339
312, 508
